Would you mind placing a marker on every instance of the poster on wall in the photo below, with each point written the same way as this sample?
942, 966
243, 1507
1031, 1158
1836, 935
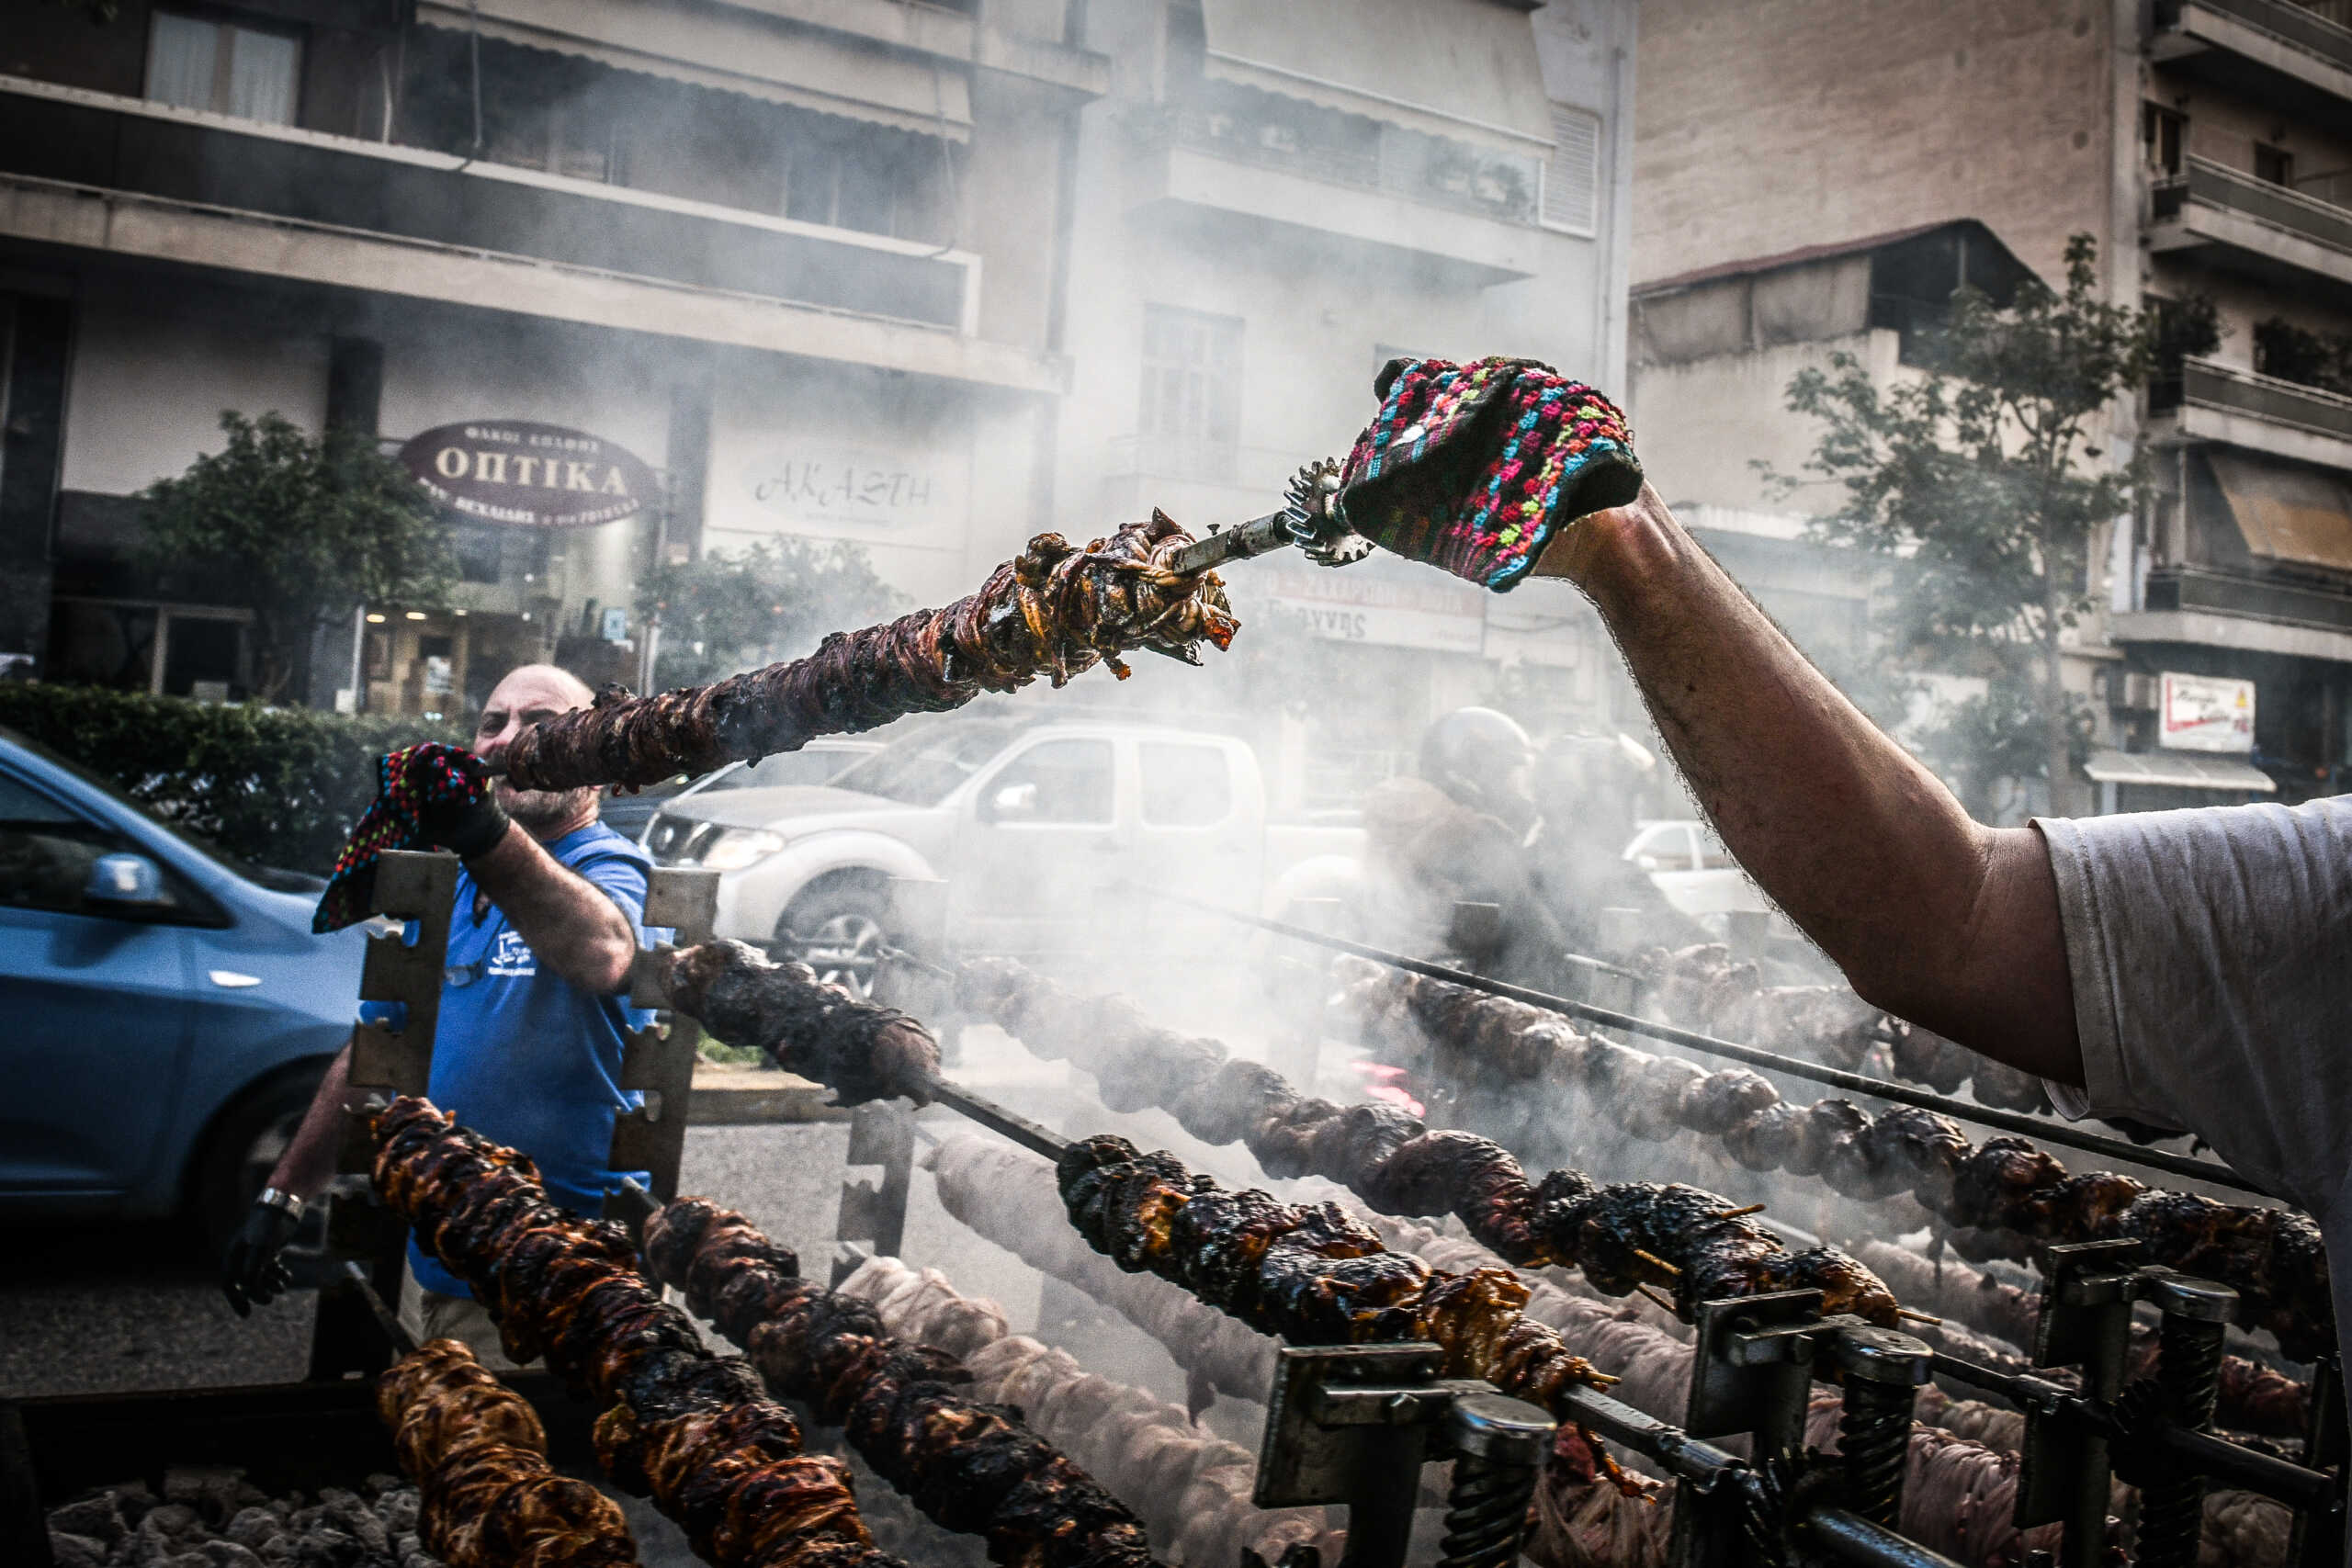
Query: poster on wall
815, 486
528, 475
2206, 712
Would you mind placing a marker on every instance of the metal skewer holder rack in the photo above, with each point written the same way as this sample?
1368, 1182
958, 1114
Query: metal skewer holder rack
407, 967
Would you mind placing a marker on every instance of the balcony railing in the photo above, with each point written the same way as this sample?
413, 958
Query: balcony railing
105, 142
2203, 383
2319, 30
2258, 596
2218, 184
1431, 171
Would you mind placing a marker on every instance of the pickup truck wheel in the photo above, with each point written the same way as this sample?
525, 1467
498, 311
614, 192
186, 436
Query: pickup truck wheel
840, 933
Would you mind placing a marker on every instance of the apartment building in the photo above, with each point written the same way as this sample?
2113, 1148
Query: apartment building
734, 270
2207, 145
1277, 198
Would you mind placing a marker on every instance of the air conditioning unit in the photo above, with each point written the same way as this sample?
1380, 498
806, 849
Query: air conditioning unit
2129, 693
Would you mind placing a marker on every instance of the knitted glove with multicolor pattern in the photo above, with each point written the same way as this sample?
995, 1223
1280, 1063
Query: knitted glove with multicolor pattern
427, 794
1474, 468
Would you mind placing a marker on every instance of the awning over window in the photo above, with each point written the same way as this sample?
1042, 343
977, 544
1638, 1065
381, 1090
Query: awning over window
732, 51
2178, 770
1465, 70
2288, 513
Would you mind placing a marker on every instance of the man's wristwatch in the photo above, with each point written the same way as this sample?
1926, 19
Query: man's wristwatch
284, 1203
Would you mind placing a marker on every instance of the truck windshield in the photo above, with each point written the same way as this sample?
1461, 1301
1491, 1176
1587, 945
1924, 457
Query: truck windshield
924, 768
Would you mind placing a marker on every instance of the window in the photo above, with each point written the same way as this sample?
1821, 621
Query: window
47, 851
1064, 782
2163, 132
1185, 786
871, 179
2275, 164
1191, 406
225, 67
1572, 174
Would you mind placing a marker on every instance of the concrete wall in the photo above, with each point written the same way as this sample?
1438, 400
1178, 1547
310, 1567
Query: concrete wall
1766, 125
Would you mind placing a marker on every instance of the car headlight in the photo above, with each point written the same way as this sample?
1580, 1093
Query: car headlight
739, 847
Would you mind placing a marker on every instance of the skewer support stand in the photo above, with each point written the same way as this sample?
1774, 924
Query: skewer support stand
872, 1220
2085, 1322
658, 1060
387, 1059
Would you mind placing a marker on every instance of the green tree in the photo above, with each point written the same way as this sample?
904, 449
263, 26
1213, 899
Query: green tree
777, 600
1984, 476
302, 530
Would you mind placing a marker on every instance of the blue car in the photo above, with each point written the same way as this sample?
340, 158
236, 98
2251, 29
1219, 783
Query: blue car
166, 1012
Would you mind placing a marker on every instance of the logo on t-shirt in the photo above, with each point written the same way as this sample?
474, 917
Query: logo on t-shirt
513, 957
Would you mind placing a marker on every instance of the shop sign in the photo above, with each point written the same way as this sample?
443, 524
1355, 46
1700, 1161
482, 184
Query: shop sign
862, 489
1392, 604
2206, 712
529, 475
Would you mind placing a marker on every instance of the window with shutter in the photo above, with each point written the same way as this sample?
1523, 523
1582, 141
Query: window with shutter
1572, 176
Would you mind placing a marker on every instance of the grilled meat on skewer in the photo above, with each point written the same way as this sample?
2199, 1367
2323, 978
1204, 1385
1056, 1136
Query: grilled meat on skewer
970, 1466
1051, 611
2273, 1257
479, 1457
860, 1050
691, 1429
1678, 1239
1193, 1489
1313, 1275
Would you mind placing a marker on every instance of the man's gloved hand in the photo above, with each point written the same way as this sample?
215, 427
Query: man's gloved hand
457, 805
253, 1273
429, 794
1475, 468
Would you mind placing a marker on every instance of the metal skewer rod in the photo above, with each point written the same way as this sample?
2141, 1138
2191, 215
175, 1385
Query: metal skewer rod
997, 1118
355, 1277
1707, 1044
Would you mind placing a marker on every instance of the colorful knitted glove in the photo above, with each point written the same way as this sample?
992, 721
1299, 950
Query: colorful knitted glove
1474, 468
429, 794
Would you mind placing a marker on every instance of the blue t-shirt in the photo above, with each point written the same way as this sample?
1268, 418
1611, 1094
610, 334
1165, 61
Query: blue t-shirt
523, 1055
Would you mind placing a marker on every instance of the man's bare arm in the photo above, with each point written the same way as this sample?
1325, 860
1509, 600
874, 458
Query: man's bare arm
1933, 916
308, 1163
567, 920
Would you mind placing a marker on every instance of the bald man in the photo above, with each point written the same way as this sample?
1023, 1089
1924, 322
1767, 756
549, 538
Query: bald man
550, 908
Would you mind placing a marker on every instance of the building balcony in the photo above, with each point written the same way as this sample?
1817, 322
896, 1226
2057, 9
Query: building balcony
2256, 228
2202, 591
2211, 402
2295, 58
147, 183
1475, 219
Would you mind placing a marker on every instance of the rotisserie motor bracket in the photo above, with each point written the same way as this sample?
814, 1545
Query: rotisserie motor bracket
2273, 1257
695, 1430
970, 1466
1052, 610
478, 1455
1694, 1244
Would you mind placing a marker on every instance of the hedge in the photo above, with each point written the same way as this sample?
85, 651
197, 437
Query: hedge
278, 786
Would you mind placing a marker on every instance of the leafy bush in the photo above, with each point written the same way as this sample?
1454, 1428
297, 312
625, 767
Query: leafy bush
278, 786
776, 599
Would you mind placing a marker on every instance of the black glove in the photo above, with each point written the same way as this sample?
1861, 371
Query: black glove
457, 800
252, 1272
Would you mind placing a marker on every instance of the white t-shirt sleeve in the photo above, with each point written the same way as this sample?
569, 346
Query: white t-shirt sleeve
2211, 956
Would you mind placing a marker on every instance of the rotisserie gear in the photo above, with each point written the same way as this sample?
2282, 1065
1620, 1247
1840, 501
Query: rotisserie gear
475, 1448
2005, 1195
1692, 1244
860, 1051
693, 1429
1052, 610
970, 1466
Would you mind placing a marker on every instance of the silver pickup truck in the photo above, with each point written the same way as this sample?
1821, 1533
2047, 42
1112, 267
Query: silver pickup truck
1040, 832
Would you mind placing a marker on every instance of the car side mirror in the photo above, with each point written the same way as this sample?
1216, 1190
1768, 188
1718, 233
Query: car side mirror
125, 884
1648, 863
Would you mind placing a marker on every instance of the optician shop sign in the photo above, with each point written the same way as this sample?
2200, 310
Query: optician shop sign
2206, 712
530, 475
